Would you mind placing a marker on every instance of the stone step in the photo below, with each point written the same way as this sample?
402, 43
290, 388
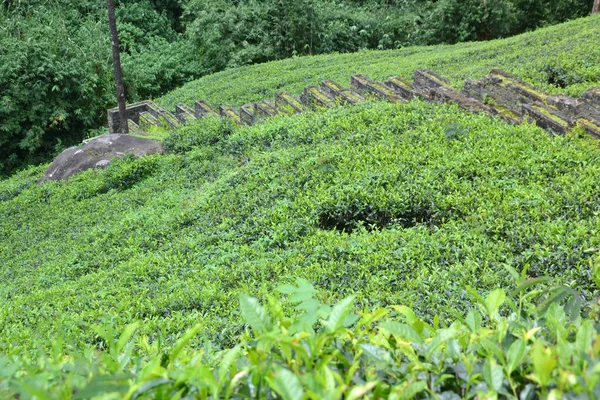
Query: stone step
203, 109
593, 96
507, 115
521, 88
331, 88
315, 98
340, 94
365, 86
547, 118
591, 126
146, 120
248, 114
498, 93
449, 95
286, 103
228, 111
427, 80
502, 88
133, 112
167, 120
184, 113
134, 128
265, 109
401, 86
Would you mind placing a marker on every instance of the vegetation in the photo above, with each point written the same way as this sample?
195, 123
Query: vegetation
559, 59
56, 75
424, 252
503, 347
396, 204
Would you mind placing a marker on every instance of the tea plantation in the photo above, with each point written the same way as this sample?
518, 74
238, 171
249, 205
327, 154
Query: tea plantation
425, 251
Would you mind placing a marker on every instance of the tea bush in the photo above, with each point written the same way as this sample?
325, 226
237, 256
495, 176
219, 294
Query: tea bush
418, 215
558, 59
516, 345
379, 204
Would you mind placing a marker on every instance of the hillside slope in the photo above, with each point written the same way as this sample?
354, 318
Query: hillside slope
565, 54
397, 204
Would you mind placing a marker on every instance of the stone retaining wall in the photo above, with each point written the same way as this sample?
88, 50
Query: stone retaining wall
498, 94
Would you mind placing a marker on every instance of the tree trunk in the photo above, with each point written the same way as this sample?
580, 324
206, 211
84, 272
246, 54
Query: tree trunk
596, 6
112, 22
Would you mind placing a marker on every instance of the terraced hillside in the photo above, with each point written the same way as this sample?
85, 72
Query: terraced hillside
564, 55
393, 203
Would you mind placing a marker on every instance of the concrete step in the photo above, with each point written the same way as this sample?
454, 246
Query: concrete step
286, 103
449, 95
590, 125
315, 98
365, 86
134, 129
401, 86
248, 114
340, 94
167, 120
146, 120
547, 117
498, 93
228, 111
184, 113
203, 109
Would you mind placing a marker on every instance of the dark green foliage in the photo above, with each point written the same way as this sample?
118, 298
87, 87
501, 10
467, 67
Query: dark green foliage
45, 66
56, 77
466, 20
233, 33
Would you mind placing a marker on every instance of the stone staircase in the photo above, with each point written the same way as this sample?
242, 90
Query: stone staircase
498, 93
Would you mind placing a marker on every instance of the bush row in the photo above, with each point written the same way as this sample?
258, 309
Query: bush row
525, 344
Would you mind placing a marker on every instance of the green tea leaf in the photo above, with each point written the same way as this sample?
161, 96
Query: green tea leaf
413, 389
255, 315
585, 336
229, 358
339, 313
377, 353
126, 335
543, 362
286, 384
493, 302
147, 386
401, 330
493, 374
360, 391
515, 355
180, 344
473, 320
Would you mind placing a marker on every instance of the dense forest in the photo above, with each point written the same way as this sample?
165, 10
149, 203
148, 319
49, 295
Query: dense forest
55, 59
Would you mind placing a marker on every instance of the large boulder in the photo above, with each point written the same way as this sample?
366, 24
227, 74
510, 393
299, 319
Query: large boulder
98, 153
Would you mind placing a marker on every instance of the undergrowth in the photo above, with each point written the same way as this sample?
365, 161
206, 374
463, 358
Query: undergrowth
376, 201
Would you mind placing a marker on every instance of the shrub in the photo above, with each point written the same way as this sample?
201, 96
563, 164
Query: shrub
522, 344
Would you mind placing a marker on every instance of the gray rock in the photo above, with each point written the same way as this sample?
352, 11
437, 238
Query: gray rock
98, 153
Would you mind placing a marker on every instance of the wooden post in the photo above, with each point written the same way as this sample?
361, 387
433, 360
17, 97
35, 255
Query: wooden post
112, 22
